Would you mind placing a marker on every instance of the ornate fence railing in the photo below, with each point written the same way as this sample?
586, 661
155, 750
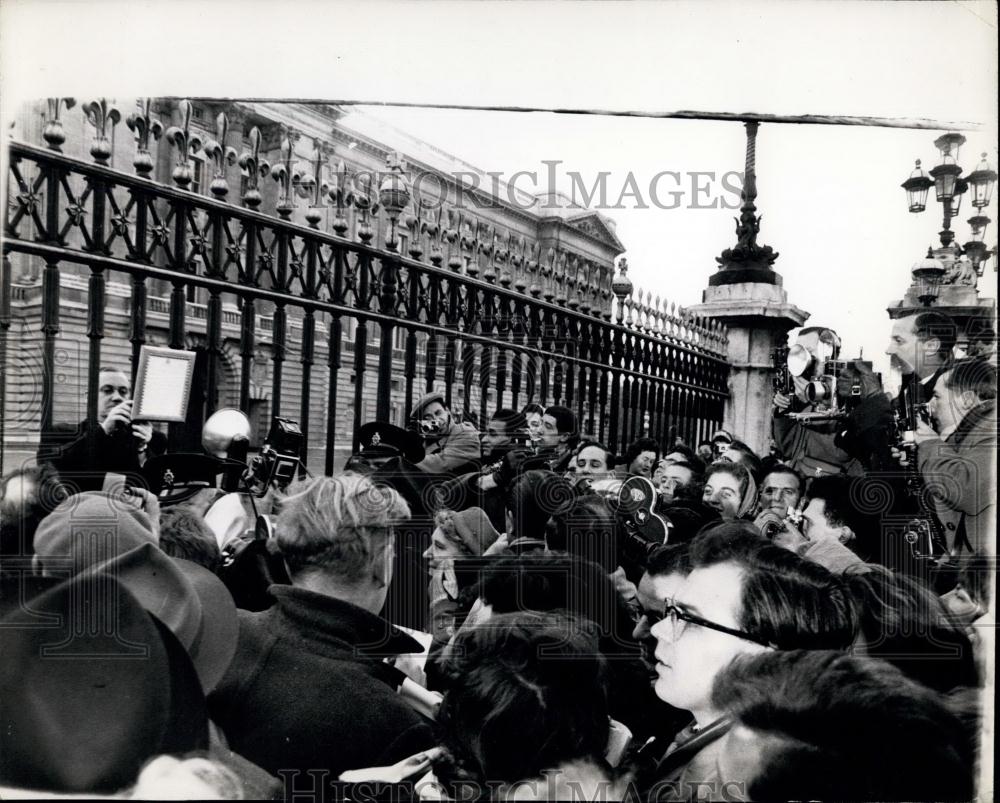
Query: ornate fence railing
651, 370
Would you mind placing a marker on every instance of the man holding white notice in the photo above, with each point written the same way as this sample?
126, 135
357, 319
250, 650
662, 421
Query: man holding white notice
121, 443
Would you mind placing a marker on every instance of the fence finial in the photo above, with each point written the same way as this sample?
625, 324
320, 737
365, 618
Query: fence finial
185, 143
53, 131
103, 116
255, 167
222, 155
622, 286
145, 126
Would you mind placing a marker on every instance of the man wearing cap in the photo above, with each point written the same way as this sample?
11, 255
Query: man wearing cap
451, 448
189, 477
720, 442
382, 443
120, 444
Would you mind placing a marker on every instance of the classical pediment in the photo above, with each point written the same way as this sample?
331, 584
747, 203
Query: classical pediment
594, 224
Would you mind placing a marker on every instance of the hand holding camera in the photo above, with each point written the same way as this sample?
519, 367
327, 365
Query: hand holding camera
428, 427
142, 431
120, 417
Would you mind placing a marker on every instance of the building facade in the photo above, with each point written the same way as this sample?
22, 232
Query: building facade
324, 161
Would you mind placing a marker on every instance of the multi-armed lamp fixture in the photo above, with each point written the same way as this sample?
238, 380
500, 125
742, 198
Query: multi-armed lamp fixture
949, 188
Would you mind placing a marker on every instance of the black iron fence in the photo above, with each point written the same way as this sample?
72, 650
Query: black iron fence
487, 320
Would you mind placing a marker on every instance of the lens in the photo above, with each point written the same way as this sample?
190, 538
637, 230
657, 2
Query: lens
817, 391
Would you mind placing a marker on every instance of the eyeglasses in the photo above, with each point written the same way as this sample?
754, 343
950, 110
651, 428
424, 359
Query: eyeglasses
674, 615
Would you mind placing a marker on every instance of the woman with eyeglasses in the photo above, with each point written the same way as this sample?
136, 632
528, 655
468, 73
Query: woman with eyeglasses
743, 596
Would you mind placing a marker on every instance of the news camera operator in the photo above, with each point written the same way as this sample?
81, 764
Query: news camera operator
450, 447
120, 444
830, 416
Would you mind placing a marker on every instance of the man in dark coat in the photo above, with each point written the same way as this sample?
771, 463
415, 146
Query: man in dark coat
957, 460
309, 689
119, 443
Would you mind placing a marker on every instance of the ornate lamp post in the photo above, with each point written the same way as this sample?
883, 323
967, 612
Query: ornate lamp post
949, 188
981, 181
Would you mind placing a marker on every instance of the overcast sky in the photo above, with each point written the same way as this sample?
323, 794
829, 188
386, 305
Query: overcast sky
830, 196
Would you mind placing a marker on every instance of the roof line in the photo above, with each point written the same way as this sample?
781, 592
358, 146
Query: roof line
682, 114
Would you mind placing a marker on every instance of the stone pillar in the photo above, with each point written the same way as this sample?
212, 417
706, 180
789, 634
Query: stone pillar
746, 295
758, 317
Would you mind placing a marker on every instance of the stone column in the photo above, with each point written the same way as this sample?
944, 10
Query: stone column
759, 317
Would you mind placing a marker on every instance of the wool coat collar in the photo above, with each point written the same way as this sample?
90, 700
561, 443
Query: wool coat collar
331, 626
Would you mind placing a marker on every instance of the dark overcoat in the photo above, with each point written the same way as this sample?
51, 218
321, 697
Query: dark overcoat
308, 688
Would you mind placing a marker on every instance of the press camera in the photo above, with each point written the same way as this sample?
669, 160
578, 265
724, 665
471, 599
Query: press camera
811, 372
227, 434
278, 461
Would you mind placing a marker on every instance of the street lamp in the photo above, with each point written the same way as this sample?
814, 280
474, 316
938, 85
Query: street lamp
927, 274
946, 174
982, 181
949, 188
916, 187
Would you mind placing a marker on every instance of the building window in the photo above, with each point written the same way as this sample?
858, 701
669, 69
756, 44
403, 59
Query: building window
259, 424
198, 174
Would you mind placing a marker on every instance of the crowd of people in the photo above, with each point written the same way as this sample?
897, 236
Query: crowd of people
684, 621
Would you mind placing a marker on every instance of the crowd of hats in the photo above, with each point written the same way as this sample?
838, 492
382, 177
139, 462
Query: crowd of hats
109, 648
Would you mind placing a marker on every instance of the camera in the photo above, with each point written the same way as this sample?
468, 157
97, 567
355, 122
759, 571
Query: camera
920, 537
783, 382
771, 526
824, 387
278, 460
816, 373
428, 427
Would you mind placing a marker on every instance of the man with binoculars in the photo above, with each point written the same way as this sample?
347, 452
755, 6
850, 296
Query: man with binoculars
450, 447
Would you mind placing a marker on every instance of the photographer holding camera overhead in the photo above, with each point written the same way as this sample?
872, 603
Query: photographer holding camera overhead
451, 447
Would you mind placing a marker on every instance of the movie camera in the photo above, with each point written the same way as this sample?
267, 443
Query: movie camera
632, 501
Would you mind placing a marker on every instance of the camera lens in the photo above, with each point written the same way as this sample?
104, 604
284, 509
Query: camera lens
817, 391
